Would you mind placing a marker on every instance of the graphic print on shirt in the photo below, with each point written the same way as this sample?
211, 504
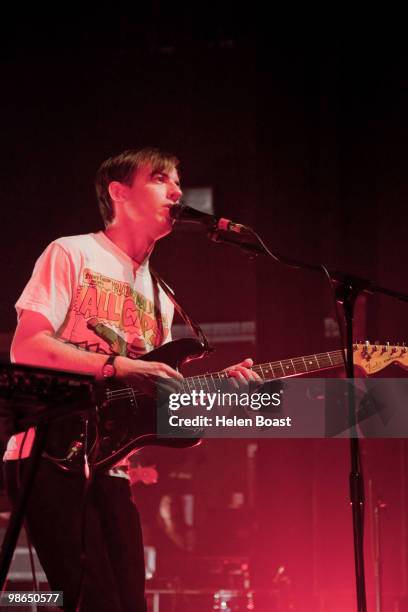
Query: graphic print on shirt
123, 320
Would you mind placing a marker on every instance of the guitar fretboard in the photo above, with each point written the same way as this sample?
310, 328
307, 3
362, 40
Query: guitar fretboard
270, 371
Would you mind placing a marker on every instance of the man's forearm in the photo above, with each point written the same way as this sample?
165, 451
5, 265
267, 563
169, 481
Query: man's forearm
35, 344
45, 350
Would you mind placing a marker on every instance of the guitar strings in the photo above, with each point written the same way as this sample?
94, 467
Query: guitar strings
328, 359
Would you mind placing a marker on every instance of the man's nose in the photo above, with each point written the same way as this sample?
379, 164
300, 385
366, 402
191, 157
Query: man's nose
175, 192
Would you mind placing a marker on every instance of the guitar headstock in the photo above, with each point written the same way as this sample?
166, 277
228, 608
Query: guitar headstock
375, 357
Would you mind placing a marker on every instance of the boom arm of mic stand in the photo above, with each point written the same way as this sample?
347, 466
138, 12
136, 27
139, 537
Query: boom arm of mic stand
252, 244
250, 248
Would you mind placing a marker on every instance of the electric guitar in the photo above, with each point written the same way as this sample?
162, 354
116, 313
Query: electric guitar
125, 419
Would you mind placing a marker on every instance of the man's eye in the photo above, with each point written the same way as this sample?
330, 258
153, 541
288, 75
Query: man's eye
160, 178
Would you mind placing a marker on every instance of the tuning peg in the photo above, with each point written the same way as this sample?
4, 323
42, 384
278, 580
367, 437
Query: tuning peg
364, 352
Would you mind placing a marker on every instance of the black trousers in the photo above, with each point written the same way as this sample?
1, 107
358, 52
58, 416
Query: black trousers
114, 579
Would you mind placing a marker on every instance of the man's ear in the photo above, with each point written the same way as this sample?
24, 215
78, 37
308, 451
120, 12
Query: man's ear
117, 191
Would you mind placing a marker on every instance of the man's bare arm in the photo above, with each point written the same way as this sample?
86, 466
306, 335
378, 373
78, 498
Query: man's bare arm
35, 344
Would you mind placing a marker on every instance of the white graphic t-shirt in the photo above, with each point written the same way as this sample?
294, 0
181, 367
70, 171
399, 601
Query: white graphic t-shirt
96, 297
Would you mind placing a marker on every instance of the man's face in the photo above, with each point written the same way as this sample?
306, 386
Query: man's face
150, 196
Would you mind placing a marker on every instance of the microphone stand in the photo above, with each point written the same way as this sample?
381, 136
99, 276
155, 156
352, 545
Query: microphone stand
348, 287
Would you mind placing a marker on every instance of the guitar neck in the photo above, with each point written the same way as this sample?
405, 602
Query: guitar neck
370, 358
273, 370
299, 365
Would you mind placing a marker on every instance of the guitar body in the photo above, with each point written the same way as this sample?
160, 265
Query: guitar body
124, 422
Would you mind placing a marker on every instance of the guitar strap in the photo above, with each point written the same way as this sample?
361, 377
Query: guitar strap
196, 329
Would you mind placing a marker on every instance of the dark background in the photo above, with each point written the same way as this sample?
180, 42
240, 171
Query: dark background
303, 138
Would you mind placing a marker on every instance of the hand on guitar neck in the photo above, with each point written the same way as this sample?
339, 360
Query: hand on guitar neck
242, 376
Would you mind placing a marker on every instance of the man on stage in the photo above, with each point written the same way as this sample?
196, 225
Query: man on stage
92, 306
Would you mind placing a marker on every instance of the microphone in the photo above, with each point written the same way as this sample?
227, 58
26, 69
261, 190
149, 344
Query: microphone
181, 213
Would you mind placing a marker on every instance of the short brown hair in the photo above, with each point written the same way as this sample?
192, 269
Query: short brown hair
123, 168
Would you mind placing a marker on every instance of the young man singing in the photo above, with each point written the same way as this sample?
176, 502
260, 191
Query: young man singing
95, 292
